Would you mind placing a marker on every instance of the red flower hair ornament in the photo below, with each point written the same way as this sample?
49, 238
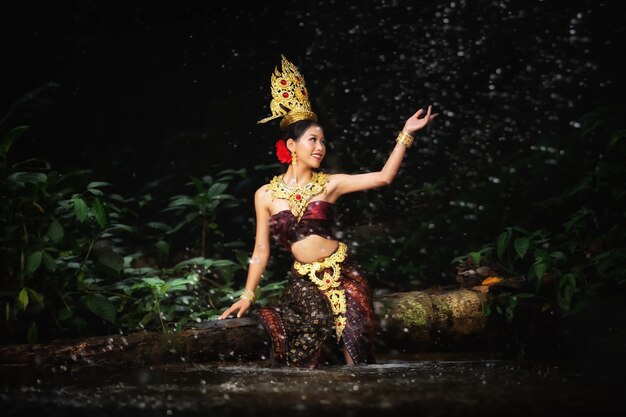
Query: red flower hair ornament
282, 152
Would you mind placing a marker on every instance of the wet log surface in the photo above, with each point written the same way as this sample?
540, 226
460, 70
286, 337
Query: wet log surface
418, 321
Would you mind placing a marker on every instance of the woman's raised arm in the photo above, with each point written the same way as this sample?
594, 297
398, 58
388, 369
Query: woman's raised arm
340, 184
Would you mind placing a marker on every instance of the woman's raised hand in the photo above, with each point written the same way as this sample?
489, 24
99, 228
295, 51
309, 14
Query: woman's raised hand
415, 123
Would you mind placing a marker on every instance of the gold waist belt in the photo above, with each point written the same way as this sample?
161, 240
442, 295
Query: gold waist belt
329, 283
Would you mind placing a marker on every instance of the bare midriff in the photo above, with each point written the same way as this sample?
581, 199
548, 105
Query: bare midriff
313, 248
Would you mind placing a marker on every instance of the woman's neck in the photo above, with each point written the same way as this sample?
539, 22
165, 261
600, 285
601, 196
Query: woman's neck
297, 176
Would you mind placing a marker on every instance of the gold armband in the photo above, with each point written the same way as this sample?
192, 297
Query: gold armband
247, 295
406, 140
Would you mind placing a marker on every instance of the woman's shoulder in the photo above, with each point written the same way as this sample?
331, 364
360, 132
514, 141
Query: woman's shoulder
269, 187
335, 177
262, 190
262, 193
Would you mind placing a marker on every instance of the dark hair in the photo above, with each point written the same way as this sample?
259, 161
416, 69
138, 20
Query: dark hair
295, 130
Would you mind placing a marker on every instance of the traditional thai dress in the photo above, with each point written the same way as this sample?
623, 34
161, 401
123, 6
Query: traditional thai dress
326, 305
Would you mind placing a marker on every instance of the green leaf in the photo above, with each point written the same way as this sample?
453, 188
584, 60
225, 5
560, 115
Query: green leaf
33, 262
72, 265
119, 226
65, 314
98, 211
521, 246
95, 191
456, 259
163, 247
96, 184
617, 135
111, 259
521, 229
605, 254
571, 279
49, 262
568, 279
510, 311
101, 307
541, 254
242, 258
567, 295
55, 231
198, 184
503, 240
33, 333
80, 280
180, 282
239, 172
35, 296
216, 189
475, 256
198, 261
558, 255
229, 204
577, 217
275, 286
147, 318
220, 263
22, 299
539, 268
153, 282
20, 179
181, 201
80, 209
10, 136
162, 290
160, 226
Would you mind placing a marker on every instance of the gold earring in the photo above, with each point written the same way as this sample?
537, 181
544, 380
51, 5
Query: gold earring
294, 158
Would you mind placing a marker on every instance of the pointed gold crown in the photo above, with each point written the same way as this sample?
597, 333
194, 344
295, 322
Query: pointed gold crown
290, 96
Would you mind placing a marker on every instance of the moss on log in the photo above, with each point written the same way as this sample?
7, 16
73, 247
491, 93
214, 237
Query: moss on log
431, 320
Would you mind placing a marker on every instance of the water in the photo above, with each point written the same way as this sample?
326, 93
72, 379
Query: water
444, 386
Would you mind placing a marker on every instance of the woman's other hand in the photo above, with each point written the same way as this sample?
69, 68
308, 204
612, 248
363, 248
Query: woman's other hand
242, 306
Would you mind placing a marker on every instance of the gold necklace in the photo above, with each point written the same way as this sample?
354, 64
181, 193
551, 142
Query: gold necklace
299, 196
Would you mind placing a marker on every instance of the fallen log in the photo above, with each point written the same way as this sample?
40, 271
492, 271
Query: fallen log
417, 321
432, 320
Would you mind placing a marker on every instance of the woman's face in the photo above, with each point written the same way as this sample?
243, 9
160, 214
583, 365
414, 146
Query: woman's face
311, 147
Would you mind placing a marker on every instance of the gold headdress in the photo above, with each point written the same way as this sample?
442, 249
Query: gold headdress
290, 96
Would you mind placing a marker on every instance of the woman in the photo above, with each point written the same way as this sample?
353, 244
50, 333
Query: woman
327, 305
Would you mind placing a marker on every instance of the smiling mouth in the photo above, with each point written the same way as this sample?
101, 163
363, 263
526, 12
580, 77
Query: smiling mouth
317, 156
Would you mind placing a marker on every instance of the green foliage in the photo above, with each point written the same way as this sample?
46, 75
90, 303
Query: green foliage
569, 265
78, 259
197, 212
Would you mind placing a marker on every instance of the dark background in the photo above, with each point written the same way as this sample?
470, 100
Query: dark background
146, 90
139, 88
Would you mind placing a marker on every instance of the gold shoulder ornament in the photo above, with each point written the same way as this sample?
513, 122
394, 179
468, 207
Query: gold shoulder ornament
298, 197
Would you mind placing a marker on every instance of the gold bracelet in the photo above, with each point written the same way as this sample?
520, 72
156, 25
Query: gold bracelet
247, 295
405, 139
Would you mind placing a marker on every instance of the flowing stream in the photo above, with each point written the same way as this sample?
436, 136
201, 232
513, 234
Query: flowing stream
431, 386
